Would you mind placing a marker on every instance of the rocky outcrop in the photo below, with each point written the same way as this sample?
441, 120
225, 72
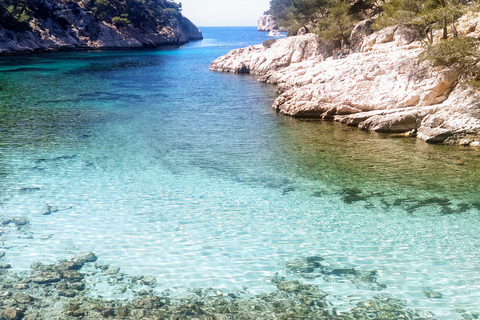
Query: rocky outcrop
260, 59
383, 88
267, 23
72, 27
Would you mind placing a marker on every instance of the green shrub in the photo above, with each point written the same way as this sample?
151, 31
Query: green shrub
460, 53
120, 22
268, 43
457, 52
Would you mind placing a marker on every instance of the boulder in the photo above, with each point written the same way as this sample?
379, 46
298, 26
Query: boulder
360, 32
83, 258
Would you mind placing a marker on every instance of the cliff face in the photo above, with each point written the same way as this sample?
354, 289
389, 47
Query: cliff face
383, 88
71, 27
266, 23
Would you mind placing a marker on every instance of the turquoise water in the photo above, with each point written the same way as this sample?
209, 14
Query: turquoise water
162, 167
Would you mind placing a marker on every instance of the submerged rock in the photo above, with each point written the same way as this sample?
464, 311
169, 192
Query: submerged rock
12, 314
83, 258
5, 266
149, 280
48, 209
18, 221
383, 88
22, 298
147, 303
290, 299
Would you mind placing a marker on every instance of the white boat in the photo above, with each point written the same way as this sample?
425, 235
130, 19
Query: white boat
274, 33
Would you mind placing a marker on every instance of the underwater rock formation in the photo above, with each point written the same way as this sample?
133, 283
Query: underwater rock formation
66, 290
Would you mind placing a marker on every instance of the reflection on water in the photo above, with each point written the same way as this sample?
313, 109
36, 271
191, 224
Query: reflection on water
161, 167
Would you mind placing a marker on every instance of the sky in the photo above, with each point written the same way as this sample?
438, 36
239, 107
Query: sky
205, 13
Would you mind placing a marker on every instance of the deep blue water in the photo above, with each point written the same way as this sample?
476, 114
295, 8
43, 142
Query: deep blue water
162, 167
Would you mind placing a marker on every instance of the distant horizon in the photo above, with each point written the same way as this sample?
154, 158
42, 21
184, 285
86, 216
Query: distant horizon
218, 13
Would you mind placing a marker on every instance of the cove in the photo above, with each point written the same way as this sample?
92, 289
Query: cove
163, 168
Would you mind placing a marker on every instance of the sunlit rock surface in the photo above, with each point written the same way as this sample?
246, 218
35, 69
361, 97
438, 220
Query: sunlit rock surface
383, 87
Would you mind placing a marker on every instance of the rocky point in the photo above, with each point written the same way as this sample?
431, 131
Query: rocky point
382, 86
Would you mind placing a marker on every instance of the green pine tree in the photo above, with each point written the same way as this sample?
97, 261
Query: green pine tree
337, 24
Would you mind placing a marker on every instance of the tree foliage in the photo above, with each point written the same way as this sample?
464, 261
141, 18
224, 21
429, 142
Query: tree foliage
427, 15
337, 23
331, 19
279, 9
14, 14
137, 12
295, 14
460, 53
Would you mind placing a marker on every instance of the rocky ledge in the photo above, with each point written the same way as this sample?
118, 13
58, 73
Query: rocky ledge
382, 88
72, 27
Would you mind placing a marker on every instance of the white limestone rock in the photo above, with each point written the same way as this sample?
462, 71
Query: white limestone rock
259, 59
384, 88
267, 23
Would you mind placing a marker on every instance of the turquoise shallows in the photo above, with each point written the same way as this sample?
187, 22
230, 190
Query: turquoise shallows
164, 168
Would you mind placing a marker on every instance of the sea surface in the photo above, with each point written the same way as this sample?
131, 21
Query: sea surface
164, 168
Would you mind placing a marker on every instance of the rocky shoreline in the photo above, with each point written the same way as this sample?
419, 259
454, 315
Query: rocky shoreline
72, 27
384, 87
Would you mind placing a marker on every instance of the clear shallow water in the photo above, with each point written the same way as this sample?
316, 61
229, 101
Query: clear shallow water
162, 167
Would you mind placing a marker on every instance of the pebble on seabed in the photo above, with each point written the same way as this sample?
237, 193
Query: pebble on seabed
12, 314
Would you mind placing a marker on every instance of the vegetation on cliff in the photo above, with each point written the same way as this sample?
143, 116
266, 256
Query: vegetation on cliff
17, 14
334, 20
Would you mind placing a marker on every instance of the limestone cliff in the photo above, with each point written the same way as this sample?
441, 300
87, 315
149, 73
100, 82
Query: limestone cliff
383, 88
70, 26
266, 23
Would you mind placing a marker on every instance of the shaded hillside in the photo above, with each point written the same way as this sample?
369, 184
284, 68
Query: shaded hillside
45, 25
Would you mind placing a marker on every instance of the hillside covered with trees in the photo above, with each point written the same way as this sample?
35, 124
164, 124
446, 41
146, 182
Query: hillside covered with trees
91, 23
17, 14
